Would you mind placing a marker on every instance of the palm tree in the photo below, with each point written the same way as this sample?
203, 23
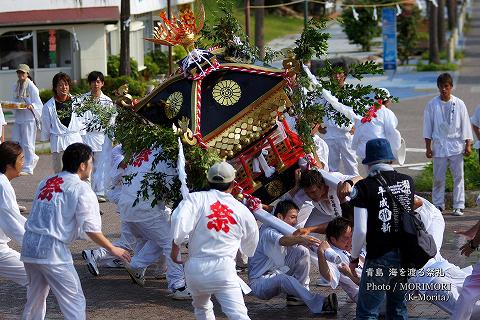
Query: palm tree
434, 56
125, 69
442, 38
259, 17
452, 14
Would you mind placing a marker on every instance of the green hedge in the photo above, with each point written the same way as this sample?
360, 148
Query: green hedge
437, 67
423, 182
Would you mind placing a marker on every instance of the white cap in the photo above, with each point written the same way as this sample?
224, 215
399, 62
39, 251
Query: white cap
221, 172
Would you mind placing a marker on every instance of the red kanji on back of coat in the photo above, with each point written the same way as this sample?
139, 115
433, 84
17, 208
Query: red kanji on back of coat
52, 185
141, 158
220, 218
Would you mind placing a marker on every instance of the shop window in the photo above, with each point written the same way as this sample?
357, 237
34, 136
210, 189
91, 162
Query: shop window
15, 48
54, 48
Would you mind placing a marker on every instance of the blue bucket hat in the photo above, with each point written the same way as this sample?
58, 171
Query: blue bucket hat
378, 150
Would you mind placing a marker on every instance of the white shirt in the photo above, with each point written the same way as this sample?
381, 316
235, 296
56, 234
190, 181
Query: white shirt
323, 211
2, 120
269, 256
33, 98
475, 120
139, 166
94, 139
335, 131
383, 126
350, 287
64, 208
115, 177
217, 224
447, 124
12, 223
321, 147
53, 130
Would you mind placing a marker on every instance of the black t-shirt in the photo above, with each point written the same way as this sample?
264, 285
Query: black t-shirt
383, 223
64, 112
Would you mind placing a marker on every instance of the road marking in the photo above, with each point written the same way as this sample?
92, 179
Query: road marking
416, 150
410, 165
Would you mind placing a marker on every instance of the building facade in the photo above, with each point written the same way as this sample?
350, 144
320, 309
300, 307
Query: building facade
73, 36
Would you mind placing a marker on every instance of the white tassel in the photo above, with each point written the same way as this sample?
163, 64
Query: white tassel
399, 10
355, 14
434, 2
182, 175
197, 56
375, 17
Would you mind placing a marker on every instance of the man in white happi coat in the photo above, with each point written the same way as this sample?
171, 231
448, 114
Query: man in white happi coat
100, 257
470, 294
11, 221
218, 226
24, 129
384, 125
281, 264
95, 136
60, 124
339, 137
3, 123
326, 203
64, 208
448, 137
334, 257
150, 225
475, 120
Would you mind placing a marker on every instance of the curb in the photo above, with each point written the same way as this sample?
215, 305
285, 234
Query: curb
470, 198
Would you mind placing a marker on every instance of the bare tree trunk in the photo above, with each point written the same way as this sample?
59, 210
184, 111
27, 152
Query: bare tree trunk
125, 38
434, 56
442, 27
452, 14
259, 17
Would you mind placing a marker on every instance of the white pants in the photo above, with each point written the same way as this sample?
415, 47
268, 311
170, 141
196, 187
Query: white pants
65, 284
436, 229
25, 134
57, 161
340, 150
454, 278
294, 282
127, 241
469, 295
218, 277
156, 235
98, 174
11, 267
439, 173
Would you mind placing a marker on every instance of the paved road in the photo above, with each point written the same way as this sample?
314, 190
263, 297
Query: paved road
113, 296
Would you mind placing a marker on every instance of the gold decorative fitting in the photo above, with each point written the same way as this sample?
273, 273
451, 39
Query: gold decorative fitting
184, 30
275, 188
250, 124
124, 98
173, 104
184, 131
227, 92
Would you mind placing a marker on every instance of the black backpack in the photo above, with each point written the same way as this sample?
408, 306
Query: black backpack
417, 246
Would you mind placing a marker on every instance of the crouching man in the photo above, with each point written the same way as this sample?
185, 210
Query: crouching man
281, 264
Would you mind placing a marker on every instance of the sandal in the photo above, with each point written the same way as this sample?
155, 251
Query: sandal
330, 305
